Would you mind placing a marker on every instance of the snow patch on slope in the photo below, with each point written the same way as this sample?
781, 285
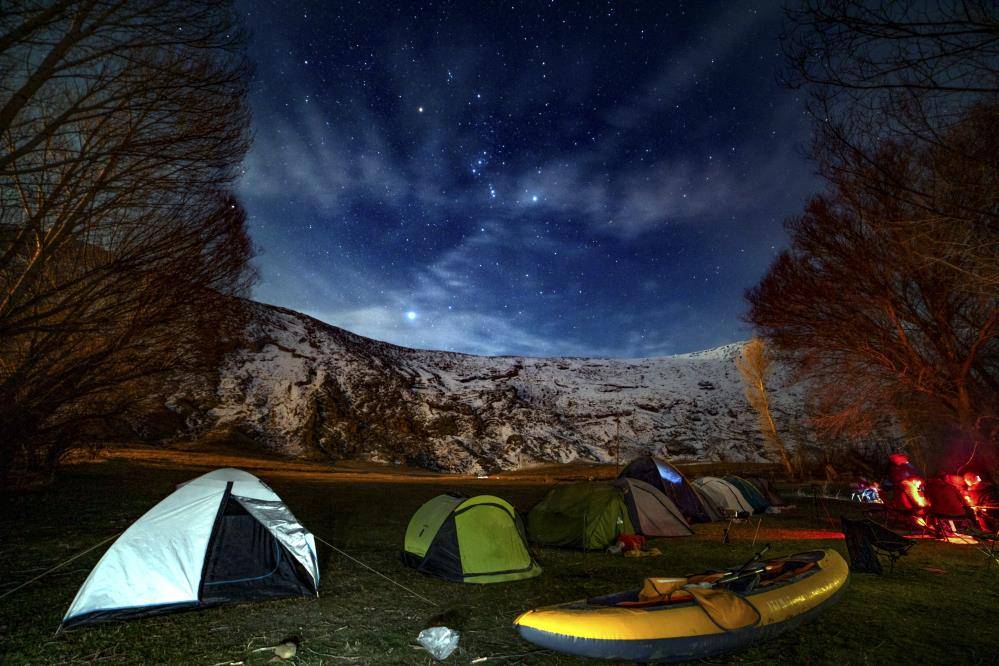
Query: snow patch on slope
305, 388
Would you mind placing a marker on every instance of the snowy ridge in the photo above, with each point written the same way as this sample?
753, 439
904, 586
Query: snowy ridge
304, 388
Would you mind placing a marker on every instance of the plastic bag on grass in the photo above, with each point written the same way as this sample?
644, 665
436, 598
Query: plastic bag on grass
439, 641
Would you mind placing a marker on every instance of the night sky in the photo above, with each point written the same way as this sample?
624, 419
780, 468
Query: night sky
538, 178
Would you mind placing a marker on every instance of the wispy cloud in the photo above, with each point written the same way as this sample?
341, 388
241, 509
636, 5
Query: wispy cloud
681, 70
485, 228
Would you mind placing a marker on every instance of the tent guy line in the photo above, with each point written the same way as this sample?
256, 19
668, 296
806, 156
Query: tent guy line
373, 570
58, 566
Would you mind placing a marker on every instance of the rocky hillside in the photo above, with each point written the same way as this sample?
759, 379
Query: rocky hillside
304, 388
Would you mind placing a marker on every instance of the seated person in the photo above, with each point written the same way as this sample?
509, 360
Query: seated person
945, 500
906, 483
984, 497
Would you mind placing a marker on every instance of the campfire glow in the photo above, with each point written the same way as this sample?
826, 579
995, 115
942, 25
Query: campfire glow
939, 506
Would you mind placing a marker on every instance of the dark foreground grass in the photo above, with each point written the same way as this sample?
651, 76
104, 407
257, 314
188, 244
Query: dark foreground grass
911, 615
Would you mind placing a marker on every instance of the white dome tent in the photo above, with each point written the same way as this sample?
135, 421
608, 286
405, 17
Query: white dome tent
223, 537
724, 497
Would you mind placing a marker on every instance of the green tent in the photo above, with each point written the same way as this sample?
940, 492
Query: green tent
469, 540
750, 492
591, 515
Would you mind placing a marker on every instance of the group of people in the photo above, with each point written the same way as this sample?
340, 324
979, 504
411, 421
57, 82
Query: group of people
946, 497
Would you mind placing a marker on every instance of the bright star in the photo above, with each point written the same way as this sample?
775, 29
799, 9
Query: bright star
419, 109
535, 198
411, 315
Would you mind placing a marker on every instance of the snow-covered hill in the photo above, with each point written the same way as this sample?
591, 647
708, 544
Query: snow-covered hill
305, 388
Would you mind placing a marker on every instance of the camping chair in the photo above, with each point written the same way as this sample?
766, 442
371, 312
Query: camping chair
987, 545
868, 542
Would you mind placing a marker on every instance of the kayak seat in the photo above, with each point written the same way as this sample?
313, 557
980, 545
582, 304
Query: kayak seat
705, 578
789, 571
776, 573
679, 597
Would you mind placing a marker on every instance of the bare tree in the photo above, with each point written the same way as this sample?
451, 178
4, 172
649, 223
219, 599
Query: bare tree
123, 124
881, 70
754, 364
883, 335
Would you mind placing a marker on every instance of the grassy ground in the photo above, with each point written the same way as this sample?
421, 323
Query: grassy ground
942, 616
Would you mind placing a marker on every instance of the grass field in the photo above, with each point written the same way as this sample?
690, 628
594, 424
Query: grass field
914, 614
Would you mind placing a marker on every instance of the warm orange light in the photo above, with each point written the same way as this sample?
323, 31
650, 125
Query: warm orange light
914, 489
972, 479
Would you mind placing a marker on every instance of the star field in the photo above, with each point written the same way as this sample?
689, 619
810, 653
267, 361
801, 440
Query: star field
521, 178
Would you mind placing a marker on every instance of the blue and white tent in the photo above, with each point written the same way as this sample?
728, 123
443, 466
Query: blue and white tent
224, 537
667, 479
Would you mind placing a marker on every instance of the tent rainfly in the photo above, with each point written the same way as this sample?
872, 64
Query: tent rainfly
591, 515
224, 537
664, 477
725, 498
469, 540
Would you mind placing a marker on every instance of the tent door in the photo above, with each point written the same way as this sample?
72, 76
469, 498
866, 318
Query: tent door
488, 545
246, 563
443, 557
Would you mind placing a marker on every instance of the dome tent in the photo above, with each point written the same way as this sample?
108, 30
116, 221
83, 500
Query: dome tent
750, 492
469, 540
725, 498
590, 516
224, 537
664, 477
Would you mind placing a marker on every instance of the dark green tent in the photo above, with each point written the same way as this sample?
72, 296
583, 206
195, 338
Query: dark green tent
591, 515
768, 490
750, 492
469, 540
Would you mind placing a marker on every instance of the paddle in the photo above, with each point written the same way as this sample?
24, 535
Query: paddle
744, 570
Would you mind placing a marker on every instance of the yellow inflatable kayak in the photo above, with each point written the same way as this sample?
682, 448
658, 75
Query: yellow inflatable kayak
676, 619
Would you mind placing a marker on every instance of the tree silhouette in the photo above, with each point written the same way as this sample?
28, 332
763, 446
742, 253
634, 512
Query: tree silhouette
907, 72
881, 333
123, 124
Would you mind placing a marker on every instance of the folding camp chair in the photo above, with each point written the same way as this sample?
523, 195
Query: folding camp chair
988, 542
887, 543
868, 542
863, 558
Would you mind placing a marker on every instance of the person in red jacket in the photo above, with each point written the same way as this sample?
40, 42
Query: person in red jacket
983, 497
907, 483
